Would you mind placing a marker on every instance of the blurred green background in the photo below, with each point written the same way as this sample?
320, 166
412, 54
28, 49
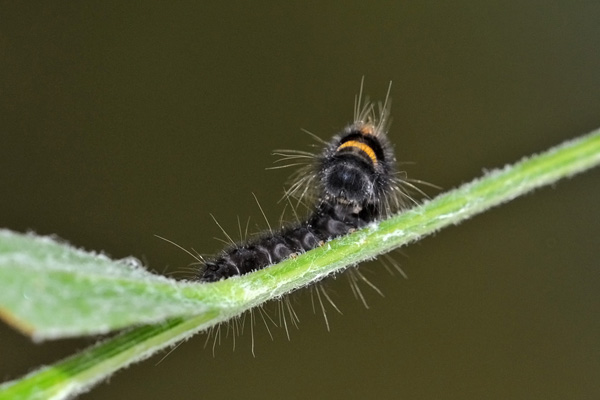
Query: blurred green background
119, 121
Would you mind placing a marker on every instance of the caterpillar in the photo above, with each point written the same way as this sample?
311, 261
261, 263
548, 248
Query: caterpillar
352, 182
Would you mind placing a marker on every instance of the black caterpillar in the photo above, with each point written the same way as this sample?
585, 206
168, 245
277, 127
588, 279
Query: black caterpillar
351, 183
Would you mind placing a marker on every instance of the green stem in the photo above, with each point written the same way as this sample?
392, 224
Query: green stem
232, 297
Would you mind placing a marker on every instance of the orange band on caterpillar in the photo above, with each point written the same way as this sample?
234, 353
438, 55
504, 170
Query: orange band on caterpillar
362, 147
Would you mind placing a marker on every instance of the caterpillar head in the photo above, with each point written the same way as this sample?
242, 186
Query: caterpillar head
357, 167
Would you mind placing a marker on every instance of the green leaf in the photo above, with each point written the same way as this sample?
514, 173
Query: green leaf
52, 290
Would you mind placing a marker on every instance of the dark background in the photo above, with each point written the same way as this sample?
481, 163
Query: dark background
121, 121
